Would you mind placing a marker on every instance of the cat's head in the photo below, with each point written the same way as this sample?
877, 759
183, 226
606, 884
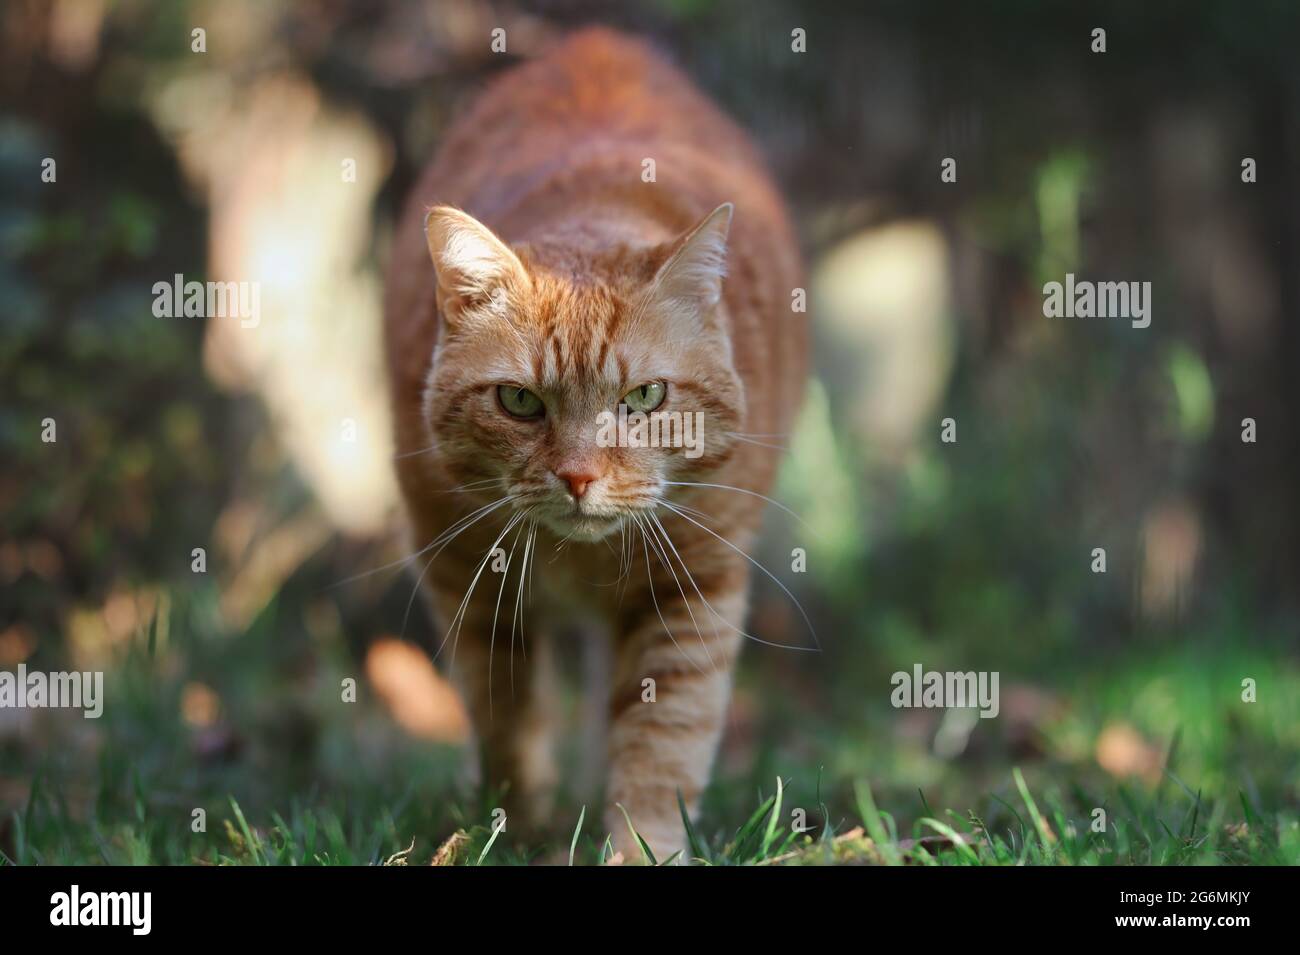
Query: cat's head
582, 384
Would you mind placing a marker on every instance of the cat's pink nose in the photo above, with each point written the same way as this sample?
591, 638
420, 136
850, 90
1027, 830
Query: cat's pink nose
577, 481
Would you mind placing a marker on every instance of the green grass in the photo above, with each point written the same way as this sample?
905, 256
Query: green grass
302, 779
1183, 829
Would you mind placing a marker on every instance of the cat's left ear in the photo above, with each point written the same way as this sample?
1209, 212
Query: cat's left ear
692, 276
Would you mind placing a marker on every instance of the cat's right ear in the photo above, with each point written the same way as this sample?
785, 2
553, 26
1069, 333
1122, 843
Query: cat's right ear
477, 272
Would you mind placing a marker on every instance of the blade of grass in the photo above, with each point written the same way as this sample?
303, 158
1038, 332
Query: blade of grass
496, 831
953, 836
254, 845
875, 825
740, 850
769, 836
828, 828
645, 846
576, 829
698, 849
1040, 825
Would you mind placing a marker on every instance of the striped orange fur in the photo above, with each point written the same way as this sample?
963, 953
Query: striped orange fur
535, 255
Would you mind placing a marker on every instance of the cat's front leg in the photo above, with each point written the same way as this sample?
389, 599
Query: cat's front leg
510, 695
668, 704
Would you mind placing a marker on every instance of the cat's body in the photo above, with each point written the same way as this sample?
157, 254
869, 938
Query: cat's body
596, 287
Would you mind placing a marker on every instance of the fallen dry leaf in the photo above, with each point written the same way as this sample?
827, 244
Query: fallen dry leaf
1122, 751
421, 700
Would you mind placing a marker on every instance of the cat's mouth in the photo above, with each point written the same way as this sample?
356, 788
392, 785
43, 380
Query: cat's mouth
580, 524
583, 527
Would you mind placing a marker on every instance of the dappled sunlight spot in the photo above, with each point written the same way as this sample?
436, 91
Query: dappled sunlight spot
75, 30
1061, 182
16, 645
1123, 752
1193, 393
96, 633
954, 731
236, 527
200, 705
819, 484
291, 182
1171, 547
419, 698
882, 298
43, 559
273, 559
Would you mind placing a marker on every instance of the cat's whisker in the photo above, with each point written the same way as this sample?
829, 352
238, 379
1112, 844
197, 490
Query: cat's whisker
762, 444
472, 486
663, 531
492, 636
771, 576
560, 546
469, 594
464, 523
717, 615
431, 448
475, 483
442, 541
529, 487
423, 550
415, 589
695, 511
519, 600
458, 617
740, 490
663, 559
524, 344
522, 646
412, 454
461, 523
401, 562
622, 556
625, 559
655, 600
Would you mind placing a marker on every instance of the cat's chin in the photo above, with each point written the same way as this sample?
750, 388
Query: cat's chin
582, 527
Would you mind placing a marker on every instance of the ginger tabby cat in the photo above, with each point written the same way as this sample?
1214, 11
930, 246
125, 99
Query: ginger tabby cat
564, 284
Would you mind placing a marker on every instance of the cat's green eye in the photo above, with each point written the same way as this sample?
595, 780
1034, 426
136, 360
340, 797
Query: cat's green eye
646, 398
519, 402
